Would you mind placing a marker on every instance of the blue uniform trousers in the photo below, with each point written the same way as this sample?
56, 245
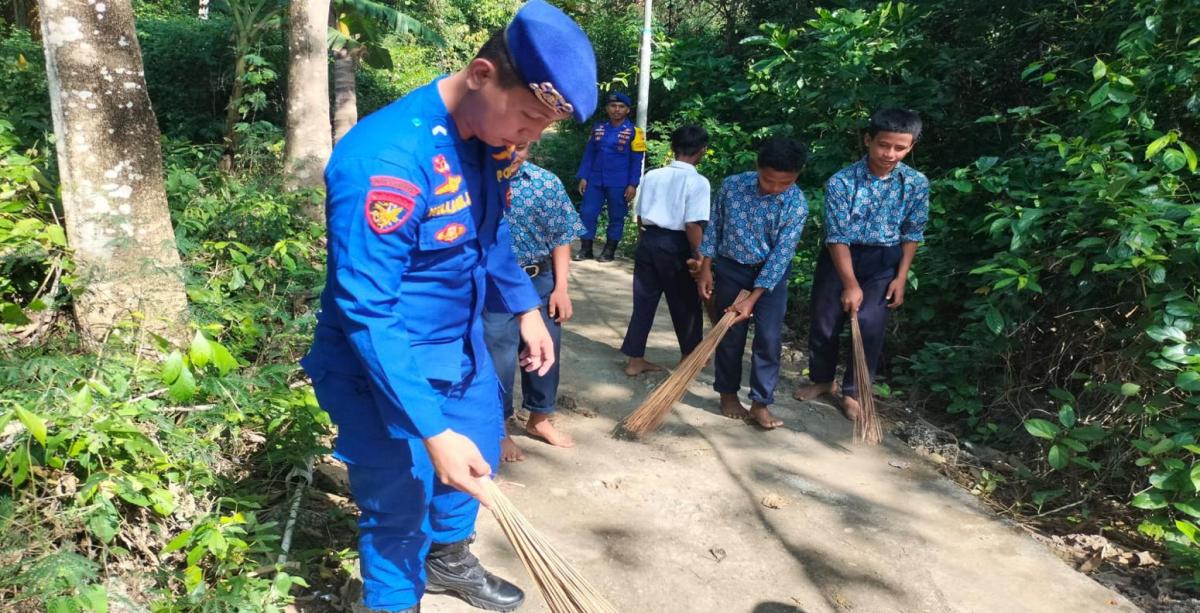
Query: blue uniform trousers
874, 268
503, 336
732, 277
660, 267
594, 198
403, 507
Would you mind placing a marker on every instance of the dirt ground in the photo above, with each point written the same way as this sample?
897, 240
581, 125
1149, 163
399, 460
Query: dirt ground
713, 515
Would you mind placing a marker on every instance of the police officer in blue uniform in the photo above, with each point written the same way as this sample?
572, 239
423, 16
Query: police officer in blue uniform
610, 172
417, 245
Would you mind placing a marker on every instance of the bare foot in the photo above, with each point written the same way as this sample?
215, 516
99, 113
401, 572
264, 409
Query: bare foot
813, 390
850, 408
539, 426
637, 366
763, 417
509, 451
732, 408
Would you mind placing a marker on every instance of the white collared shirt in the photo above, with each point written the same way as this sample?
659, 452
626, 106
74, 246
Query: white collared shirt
674, 195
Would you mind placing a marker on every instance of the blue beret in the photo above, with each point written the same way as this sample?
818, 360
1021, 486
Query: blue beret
619, 97
555, 57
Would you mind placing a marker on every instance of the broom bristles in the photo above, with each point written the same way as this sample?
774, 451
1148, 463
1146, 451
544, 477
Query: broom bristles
653, 411
866, 427
565, 590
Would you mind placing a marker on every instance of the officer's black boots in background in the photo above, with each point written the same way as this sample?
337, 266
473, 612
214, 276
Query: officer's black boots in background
452, 568
610, 251
585, 250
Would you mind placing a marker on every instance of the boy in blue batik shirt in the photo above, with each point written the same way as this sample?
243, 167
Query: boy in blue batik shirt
875, 215
543, 222
749, 242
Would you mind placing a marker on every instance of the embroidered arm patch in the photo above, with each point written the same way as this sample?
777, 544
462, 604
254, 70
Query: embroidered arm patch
386, 211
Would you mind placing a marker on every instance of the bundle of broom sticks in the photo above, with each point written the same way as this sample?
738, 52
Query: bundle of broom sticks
866, 427
565, 590
653, 411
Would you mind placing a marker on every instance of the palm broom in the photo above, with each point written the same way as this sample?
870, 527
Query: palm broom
866, 427
653, 411
565, 590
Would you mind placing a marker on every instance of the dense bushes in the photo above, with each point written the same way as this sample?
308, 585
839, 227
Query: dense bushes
1056, 299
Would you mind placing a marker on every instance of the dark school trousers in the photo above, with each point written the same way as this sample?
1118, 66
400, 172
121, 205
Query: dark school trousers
594, 198
875, 268
731, 277
660, 267
502, 333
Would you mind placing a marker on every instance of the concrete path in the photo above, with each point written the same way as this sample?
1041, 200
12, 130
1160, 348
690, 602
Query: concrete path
677, 523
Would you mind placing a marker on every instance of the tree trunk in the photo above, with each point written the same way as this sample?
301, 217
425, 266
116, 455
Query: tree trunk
202, 10
232, 115
309, 140
111, 172
345, 97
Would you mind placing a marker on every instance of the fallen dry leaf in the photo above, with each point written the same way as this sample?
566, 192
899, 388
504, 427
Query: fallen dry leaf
774, 501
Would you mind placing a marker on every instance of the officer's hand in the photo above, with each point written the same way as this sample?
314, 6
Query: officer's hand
630, 192
458, 463
582, 186
852, 299
538, 355
704, 284
743, 308
560, 305
895, 293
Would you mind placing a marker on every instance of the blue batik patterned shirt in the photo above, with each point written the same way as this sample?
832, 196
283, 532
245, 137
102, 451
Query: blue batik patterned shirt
863, 209
541, 216
752, 228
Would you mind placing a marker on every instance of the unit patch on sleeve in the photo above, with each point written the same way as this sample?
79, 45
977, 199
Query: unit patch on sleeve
395, 183
451, 233
386, 211
451, 182
450, 207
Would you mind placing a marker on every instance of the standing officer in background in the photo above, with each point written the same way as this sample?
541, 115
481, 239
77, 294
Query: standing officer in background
749, 241
543, 222
416, 244
610, 172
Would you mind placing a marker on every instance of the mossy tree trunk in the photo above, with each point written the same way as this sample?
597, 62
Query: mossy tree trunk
111, 170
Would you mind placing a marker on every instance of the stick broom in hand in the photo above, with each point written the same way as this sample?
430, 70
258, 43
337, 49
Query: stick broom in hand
565, 590
648, 417
866, 427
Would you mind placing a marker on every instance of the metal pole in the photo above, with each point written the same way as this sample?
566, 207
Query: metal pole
643, 103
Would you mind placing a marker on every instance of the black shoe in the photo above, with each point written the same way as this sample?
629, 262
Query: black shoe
585, 250
452, 568
610, 251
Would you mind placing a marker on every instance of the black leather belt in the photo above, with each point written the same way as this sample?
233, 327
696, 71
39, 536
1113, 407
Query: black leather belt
536, 268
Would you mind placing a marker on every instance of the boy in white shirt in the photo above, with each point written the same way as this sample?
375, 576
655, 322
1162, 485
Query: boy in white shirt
671, 208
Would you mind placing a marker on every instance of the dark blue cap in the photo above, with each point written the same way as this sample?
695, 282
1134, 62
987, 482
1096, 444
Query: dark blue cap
554, 57
619, 97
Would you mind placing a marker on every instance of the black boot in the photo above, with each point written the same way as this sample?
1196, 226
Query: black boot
585, 250
452, 568
610, 250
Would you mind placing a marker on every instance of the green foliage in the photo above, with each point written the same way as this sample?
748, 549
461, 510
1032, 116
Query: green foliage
33, 247
24, 100
187, 64
135, 453
1062, 247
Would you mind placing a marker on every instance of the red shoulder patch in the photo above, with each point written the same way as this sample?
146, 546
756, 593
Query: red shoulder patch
451, 233
387, 211
395, 183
